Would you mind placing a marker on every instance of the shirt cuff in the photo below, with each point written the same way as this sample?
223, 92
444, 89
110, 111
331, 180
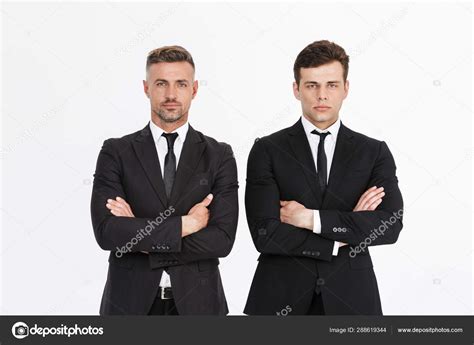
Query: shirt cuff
335, 250
316, 222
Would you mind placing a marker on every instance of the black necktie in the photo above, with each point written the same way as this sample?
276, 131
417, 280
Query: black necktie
322, 161
170, 163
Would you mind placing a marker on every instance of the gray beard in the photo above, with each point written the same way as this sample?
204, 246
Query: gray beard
162, 115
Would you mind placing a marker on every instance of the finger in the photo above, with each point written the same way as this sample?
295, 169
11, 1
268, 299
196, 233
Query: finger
126, 205
371, 199
369, 195
364, 197
116, 212
207, 200
115, 203
374, 205
122, 201
118, 209
368, 191
283, 202
359, 202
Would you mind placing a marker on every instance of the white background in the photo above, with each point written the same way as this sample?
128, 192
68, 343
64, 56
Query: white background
72, 77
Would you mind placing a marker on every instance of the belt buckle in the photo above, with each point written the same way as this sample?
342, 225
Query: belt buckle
162, 293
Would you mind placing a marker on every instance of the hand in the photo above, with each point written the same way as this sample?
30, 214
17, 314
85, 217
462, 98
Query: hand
119, 207
292, 212
197, 217
370, 199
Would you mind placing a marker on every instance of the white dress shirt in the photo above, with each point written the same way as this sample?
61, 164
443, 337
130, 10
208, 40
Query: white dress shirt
329, 147
162, 149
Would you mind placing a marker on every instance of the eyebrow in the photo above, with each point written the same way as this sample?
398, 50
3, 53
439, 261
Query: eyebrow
178, 81
329, 82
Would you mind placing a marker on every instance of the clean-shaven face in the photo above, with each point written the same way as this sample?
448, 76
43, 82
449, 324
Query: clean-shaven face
321, 91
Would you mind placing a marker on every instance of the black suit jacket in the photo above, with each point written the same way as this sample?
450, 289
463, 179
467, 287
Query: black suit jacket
294, 262
129, 167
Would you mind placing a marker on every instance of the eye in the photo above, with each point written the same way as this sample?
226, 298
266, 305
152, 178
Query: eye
160, 84
333, 86
182, 85
311, 86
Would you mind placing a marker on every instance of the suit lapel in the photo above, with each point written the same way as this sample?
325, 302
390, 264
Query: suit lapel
193, 148
302, 152
145, 150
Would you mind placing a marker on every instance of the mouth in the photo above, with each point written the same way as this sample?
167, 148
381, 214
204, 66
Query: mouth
322, 107
171, 105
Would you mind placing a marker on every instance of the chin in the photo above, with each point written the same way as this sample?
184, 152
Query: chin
170, 118
321, 118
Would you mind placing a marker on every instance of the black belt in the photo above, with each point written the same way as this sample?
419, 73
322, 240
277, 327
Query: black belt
165, 293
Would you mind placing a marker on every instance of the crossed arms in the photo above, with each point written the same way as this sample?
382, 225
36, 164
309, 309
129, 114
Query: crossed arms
281, 227
202, 233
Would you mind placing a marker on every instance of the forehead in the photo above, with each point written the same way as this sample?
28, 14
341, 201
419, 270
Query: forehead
171, 71
330, 71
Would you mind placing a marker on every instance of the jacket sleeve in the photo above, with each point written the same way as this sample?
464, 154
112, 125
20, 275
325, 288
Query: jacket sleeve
126, 234
381, 226
262, 203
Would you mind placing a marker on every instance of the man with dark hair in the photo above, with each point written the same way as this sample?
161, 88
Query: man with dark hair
164, 203
317, 195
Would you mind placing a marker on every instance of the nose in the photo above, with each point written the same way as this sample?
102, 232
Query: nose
170, 94
322, 95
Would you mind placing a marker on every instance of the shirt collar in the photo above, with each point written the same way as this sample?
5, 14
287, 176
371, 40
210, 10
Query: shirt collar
157, 131
309, 127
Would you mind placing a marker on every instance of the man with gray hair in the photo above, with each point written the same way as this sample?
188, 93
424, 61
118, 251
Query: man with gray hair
164, 203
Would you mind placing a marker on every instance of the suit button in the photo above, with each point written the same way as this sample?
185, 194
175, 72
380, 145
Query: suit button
153, 247
317, 253
305, 252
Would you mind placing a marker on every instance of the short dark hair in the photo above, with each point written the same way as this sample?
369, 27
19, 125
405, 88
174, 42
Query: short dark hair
169, 54
319, 53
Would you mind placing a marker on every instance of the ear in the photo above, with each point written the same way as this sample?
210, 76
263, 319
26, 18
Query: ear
346, 88
195, 88
296, 91
145, 88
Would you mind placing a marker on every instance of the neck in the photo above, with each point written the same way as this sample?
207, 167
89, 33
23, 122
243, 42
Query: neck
322, 125
168, 127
